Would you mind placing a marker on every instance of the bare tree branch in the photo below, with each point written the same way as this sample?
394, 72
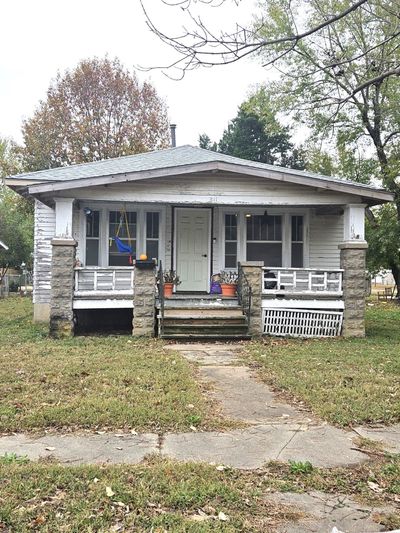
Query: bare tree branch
203, 50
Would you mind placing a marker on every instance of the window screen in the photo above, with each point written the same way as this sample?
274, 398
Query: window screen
297, 242
152, 234
264, 239
126, 234
92, 238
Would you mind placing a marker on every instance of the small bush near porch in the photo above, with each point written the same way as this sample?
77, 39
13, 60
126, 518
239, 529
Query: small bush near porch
92, 382
344, 381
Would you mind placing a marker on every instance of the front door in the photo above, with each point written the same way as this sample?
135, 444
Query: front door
192, 248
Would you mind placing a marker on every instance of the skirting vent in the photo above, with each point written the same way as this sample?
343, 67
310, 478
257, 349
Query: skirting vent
302, 323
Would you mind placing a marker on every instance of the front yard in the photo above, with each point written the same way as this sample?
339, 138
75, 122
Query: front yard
163, 496
111, 383
344, 381
98, 383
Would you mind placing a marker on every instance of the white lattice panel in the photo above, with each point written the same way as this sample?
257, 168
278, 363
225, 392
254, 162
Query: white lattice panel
302, 323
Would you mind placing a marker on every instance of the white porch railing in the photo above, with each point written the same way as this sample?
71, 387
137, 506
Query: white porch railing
302, 281
92, 281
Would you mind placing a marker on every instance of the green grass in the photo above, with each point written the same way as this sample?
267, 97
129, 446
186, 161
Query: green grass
162, 496
158, 496
113, 382
344, 381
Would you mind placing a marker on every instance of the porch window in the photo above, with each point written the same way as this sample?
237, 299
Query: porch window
92, 238
264, 239
152, 234
230, 241
116, 258
297, 241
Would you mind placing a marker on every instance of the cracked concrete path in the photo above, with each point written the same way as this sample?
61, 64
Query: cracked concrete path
252, 447
387, 436
83, 448
243, 398
276, 431
323, 512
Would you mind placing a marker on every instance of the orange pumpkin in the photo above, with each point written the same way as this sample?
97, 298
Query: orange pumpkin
143, 257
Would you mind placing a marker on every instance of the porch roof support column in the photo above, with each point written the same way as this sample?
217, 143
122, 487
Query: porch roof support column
62, 271
64, 209
352, 260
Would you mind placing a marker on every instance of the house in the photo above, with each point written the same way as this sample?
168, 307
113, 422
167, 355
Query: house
296, 238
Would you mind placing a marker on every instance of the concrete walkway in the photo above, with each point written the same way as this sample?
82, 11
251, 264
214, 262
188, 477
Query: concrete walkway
274, 430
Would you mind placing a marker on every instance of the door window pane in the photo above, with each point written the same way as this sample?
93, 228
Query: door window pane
230, 241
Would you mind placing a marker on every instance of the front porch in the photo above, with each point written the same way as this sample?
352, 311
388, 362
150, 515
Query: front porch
292, 302
296, 295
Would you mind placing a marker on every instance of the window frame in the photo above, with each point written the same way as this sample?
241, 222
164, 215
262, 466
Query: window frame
286, 214
104, 209
225, 214
124, 239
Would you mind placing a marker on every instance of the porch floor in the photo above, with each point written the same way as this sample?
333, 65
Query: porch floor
196, 300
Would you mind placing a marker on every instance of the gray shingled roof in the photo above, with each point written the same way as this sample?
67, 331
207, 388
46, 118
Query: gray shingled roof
171, 157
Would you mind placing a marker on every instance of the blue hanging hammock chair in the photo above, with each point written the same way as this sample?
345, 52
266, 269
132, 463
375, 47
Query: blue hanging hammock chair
122, 248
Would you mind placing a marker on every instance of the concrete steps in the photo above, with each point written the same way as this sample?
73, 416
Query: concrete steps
203, 319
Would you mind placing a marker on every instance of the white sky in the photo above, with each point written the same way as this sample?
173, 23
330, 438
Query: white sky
40, 37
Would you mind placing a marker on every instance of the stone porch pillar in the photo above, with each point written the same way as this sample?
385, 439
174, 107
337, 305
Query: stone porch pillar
62, 271
352, 261
62, 287
254, 274
144, 299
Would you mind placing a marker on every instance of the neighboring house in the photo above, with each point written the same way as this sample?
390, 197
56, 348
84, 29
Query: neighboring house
298, 236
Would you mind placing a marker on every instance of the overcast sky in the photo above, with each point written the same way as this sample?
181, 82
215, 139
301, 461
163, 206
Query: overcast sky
39, 38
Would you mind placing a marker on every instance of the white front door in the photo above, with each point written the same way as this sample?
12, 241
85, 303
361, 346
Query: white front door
193, 248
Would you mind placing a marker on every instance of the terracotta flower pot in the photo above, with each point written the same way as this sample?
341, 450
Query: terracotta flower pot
168, 289
228, 289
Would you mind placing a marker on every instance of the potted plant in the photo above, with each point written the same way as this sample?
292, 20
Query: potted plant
170, 279
228, 283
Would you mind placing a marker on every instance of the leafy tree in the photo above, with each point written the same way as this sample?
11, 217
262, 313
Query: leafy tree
257, 135
323, 87
96, 111
16, 214
206, 143
16, 231
383, 236
10, 160
246, 137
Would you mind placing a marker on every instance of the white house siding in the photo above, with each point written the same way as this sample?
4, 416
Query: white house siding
45, 224
212, 190
326, 233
